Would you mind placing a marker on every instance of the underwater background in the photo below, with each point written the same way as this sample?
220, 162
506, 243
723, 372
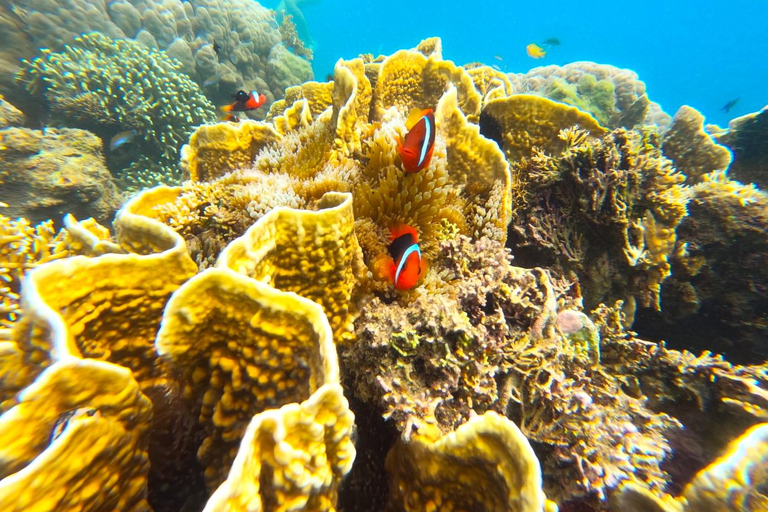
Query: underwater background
702, 54
383, 257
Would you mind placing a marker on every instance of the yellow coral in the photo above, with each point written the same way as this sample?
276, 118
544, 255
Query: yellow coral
408, 79
486, 464
490, 83
319, 96
107, 307
478, 167
76, 441
216, 149
352, 97
691, 148
299, 452
241, 347
285, 247
293, 117
529, 122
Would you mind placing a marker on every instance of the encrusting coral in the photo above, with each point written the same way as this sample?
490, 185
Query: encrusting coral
614, 96
746, 136
47, 174
292, 223
111, 86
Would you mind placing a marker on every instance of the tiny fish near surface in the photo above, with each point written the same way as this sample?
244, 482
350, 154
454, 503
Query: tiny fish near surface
418, 144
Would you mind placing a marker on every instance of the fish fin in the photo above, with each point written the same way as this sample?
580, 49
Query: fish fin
226, 108
415, 116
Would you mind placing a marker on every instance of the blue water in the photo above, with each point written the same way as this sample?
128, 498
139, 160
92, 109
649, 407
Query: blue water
702, 54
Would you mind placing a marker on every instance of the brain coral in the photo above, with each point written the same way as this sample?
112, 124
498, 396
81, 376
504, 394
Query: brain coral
251, 53
110, 86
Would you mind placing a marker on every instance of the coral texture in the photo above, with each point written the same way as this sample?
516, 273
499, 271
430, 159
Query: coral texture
111, 86
251, 54
45, 175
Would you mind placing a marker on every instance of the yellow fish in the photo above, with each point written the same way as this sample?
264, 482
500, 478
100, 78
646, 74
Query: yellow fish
535, 51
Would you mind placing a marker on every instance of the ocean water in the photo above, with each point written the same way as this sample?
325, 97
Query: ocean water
698, 53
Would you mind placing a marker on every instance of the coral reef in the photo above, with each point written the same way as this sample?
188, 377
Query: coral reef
45, 175
734, 482
605, 209
222, 305
717, 296
691, 148
119, 325
219, 51
487, 464
746, 136
616, 97
108, 87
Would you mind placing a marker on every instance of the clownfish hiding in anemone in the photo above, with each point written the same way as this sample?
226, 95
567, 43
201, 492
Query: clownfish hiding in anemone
245, 102
416, 147
405, 266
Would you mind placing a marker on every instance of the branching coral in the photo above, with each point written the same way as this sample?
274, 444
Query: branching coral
613, 203
125, 86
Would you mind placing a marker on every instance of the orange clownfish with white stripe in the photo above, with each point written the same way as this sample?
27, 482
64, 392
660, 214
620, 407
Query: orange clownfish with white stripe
416, 147
245, 102
405, 267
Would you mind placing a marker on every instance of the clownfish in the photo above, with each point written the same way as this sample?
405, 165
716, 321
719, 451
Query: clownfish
245, 102
405, 267
416, 147
535, 51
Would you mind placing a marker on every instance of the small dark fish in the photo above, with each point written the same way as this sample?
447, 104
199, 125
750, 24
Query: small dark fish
728, 106
329, 77
216, 47
121, 138
552, 41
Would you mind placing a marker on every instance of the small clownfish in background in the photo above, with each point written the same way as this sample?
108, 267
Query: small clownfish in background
416, 147
232, 118
406, 266
245, 102
535, 51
